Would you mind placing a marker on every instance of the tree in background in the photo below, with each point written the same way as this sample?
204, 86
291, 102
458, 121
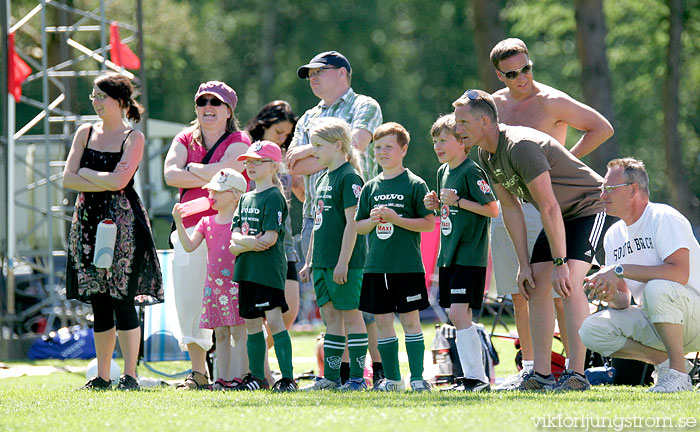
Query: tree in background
595, 73
415, 57
488, 31
682, 196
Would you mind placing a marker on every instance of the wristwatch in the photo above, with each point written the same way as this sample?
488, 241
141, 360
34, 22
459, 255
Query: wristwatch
619, 271
559, 261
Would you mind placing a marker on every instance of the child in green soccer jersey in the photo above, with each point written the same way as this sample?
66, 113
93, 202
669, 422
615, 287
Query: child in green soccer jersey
466, 203
391, 211
261, 266
336, 255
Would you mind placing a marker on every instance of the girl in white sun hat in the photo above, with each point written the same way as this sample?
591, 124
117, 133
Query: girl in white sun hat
220, 300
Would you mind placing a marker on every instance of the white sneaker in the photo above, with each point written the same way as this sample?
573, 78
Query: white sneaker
513, 382
387, 385
420, 386
671, 381
321, 384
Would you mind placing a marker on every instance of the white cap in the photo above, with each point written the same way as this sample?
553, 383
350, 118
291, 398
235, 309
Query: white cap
227, 178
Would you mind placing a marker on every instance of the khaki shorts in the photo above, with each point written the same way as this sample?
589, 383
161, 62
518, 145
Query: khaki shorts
664, 302
505, 261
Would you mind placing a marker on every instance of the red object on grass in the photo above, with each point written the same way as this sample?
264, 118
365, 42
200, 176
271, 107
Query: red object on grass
18, 70
121, 54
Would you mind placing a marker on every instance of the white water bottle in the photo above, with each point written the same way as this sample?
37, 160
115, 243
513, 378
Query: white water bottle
105, 239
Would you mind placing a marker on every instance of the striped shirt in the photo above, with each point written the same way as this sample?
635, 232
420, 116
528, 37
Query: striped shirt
361, 112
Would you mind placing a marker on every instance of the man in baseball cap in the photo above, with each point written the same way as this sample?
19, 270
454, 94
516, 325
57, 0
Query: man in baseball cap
325, 59
329, 76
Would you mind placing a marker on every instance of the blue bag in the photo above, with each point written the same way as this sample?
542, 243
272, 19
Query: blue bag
601, 375
67, 343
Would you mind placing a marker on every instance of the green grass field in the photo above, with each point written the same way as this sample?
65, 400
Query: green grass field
47, 403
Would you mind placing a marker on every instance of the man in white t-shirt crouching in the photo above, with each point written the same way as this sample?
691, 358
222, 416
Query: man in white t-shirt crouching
652, 256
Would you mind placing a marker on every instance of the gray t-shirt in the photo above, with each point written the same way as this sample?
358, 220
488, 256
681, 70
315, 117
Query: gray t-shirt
524, 153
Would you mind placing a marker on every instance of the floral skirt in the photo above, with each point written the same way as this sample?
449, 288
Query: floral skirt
135, 267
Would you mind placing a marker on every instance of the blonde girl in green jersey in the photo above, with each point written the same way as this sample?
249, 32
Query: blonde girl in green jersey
336, 256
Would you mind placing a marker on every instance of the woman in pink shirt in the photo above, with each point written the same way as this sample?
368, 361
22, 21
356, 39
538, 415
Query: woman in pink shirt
212, 143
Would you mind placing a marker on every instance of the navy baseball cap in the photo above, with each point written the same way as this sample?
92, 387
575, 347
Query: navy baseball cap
328, 58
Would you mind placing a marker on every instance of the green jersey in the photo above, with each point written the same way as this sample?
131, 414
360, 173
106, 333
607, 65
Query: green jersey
335, 191
464, 236
393, 249
257, 213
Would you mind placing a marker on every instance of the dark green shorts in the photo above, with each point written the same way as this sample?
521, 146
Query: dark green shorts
342, 297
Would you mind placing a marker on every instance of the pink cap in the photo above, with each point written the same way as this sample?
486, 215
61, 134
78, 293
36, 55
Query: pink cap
219, 89
261, 150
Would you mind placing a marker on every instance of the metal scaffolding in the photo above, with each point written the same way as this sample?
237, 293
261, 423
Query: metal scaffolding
38, 211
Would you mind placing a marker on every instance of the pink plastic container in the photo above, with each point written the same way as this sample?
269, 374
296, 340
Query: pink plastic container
195, 206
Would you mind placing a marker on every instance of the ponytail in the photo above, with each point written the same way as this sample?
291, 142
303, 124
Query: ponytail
276, 177
134, 110
353, 157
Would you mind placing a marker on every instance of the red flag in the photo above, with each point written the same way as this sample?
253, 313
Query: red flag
121, 54
18, 70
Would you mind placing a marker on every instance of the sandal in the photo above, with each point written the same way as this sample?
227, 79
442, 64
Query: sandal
222, 384
195, 381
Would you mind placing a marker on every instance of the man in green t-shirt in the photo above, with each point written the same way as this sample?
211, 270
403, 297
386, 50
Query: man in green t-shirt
465, 203
391, 211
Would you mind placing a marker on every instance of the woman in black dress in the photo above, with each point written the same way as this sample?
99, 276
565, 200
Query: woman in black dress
101, 165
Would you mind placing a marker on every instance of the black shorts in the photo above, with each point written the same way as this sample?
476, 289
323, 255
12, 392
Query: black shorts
393, 292
254, 299
462, 284
292, 271
584, 238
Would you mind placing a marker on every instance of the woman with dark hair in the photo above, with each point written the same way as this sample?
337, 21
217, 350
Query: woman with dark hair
275, 122
211, 144
101, 165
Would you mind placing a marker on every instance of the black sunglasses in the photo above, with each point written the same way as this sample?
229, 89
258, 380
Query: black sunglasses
514, 73
474, 96
202, 102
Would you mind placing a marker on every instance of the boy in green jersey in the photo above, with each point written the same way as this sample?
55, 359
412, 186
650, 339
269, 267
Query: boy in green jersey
391, 211
466, 203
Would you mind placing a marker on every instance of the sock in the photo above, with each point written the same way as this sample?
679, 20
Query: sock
664, 364
566, 363
550, 376
257, 347
333, 347
283, 351
344, 372
415, 348
377, 371
470, 355
389, 350
357, 348
528, 365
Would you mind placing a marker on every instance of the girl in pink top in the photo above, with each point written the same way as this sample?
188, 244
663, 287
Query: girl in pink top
220, 301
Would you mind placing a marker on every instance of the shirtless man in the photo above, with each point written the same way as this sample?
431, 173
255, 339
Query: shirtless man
526, 102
